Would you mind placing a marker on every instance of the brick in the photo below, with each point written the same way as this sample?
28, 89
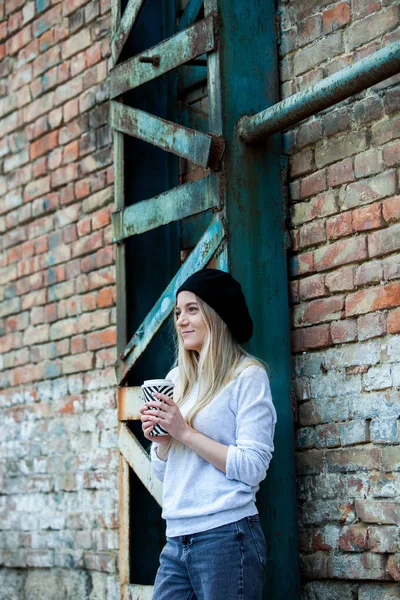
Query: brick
313, 184
393, 321
68, 90
98, 200
317, 311
344, 331
306, 438
339, 147
371, 325
341, 172
312, 233
391, 209
390, 458
309, 133
339, 226
310, 461
368, 163
368, 190
64, 175
44, 145
358, 566
384, 241
106, 297
353, 432
301, 163
371, 27
354, 459
378, 511
394, 566
336, 17
311, 287
322, 590
384, 430
370, 108
36, 188
315, 337
370, 272
354, 538
362, 9
76, 43
391, 267
378, 378
367, 217
18, 41
391, 154
336, 121
340, 253
327, 436
313, 55
373, 299
385, 130
100, 561
309, 30
384, 539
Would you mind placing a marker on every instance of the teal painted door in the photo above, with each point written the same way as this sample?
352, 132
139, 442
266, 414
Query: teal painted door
190, 194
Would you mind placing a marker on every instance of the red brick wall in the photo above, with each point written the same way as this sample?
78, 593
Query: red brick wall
58, 458
345, 296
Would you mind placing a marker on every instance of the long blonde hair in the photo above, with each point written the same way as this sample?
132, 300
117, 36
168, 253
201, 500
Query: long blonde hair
221, 360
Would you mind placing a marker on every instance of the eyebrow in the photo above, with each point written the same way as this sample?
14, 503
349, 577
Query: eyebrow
187, 304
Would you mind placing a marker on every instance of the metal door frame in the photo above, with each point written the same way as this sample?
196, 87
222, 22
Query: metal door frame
246, 236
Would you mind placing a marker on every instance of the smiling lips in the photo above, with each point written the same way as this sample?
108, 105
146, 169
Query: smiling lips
186, 332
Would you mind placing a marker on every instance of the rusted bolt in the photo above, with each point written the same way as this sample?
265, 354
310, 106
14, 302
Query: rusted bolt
153, 60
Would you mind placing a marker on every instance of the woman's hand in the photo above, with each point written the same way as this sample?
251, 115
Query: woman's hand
168, 416
148, 426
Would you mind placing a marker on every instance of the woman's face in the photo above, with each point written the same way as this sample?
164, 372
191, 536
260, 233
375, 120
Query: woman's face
189, 321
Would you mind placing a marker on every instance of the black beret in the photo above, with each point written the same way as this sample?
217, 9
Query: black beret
224, 294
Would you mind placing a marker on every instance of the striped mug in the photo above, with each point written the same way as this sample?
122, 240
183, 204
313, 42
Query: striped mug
162, 386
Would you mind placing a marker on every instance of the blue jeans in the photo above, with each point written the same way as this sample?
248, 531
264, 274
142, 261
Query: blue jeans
225, 563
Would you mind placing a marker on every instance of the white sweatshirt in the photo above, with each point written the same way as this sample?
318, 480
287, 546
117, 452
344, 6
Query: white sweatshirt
196, 495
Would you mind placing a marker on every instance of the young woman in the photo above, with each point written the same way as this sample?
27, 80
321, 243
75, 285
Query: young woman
221, 426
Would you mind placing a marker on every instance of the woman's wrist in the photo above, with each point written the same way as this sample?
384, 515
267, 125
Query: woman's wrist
187, 436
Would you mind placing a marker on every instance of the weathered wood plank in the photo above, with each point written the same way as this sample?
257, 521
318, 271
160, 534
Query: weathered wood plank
129, 401
169, 54
124, 520
178, 203
190, 13
200, 148
200, 256
126, 23
139, 461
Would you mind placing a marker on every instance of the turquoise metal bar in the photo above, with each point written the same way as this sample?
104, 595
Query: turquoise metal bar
191, 76
127, 21
243, 77
178, 203
190, 13
353, 79
200, 256
204, 150
169, 54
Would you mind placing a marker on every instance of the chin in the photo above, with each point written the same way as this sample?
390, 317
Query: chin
191, 347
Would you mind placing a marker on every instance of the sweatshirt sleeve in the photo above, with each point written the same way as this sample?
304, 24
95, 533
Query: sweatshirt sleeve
248, 460
159, 466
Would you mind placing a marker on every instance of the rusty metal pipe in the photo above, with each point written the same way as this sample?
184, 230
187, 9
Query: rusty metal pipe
353, 79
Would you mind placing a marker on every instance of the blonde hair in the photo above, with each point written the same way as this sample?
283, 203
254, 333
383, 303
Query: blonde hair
221, 359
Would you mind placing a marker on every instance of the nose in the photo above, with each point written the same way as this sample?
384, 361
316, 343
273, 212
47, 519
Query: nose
181, 319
